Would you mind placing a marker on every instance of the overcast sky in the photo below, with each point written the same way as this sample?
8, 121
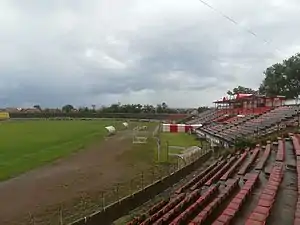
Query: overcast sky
84, 52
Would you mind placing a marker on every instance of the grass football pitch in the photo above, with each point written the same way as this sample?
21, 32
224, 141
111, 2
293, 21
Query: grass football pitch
25, 145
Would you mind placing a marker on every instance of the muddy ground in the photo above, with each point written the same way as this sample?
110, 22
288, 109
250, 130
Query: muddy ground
38, 196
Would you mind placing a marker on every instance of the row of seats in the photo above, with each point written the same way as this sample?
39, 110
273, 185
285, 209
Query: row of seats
158, 206
164, 210
196, 206
281, 150
208, 175
246, 166
196, 178
297, 211
234, 167
266, 200
231, 119
182, 205
244, 111
205, 116
163, 214
202, 217
235, 205
220, 172
296, 144
297, 153
253, 126
150, 212
222, 118
260, 165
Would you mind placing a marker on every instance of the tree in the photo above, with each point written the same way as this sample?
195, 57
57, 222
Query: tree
148, 109
275, 80
241, 90
37, 107
137, 108
67, 108
159, 108
230, 93
164, 105
202, 109
282, 78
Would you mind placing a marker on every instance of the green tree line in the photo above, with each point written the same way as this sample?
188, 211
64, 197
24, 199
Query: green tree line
116, 108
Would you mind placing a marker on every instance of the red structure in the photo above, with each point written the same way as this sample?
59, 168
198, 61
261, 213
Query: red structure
244, 104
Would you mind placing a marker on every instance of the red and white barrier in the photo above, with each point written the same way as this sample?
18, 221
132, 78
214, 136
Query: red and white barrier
179, 128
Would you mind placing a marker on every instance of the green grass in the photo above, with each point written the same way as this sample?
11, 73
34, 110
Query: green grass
25, 145
175, 139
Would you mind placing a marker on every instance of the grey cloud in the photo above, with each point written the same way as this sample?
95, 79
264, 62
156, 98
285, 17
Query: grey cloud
55, 52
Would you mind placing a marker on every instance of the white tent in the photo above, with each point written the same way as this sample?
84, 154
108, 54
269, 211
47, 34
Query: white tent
125, 124
111, 129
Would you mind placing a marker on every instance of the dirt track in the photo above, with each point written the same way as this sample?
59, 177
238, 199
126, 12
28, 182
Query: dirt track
41, 191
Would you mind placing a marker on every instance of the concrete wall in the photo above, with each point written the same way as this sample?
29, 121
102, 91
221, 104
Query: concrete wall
125, 205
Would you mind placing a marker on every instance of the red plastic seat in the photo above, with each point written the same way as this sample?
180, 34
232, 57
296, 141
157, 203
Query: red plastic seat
199, 219
266, 197
297, 214
269, 192
225, 219
241, 196
218, 223
258, 217
233, 206
244, 192
237, 201
253, 222
229, 212
261, 210
265, 203
296, 221
271, 187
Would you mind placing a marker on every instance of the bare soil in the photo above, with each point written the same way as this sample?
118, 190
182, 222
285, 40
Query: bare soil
34, 197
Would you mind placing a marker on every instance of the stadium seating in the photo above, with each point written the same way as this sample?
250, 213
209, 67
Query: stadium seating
234, 167
264, 158
208, 175
154, 217
211, 207
196, 178
296, 145
267, 197
261, 121
178, 208
235, 205
196, 206
281, 150
220, 193
204, 117
246, 166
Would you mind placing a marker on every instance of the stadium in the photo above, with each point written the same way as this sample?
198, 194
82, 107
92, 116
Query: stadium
253, 185
235, 163
114, 113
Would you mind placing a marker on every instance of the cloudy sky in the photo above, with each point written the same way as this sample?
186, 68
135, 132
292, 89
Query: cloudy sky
84, 52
